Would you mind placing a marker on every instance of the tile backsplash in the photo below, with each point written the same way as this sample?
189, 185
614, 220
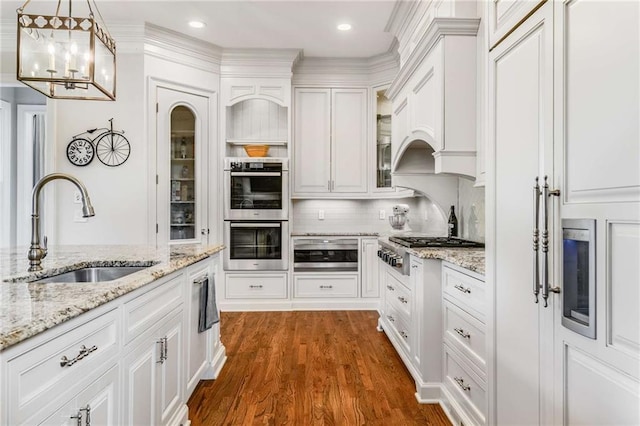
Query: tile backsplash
470, 211
425, 217
364, 216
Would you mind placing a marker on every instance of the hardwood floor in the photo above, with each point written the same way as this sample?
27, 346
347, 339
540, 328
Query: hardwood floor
302, 368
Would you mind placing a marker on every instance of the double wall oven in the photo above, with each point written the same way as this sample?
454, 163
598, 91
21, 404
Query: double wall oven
256, 213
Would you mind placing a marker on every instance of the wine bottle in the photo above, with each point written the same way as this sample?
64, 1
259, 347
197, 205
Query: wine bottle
453, 224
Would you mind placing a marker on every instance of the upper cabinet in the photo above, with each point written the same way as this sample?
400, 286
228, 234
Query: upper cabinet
330, 137
382, 154
504, 15
257, 111
434, 97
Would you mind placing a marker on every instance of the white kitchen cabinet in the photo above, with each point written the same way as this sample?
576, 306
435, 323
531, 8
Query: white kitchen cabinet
464, 345
96, 405
521, 101
544, 79
369, 268
412, 317
434, 99
152, 373
184, 126
197, 344
325, 286
504, 15
256, 111
330, 136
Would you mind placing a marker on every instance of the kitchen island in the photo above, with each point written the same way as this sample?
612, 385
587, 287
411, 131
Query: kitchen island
125, 351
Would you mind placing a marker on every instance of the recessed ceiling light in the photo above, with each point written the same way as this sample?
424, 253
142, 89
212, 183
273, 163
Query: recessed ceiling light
344, 27
197, 24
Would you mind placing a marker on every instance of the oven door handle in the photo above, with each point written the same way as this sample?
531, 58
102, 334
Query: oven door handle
256, 174
255, 225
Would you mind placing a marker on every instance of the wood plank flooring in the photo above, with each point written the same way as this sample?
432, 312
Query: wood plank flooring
309, 368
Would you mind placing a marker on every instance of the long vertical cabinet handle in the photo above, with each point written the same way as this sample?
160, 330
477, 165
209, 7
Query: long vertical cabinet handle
545, 241
536, 240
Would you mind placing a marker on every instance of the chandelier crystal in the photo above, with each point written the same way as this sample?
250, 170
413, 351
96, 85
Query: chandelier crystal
66, 57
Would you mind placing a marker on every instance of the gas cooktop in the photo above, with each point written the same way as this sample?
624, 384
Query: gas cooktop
416, 242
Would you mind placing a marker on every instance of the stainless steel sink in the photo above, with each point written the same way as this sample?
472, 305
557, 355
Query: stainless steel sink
93, 274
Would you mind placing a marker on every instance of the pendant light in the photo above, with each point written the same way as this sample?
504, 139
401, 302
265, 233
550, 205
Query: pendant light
66, 57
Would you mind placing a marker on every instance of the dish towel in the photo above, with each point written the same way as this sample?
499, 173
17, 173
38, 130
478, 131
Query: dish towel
208, 309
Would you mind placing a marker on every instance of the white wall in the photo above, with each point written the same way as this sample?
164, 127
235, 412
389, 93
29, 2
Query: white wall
118, 194
363, 216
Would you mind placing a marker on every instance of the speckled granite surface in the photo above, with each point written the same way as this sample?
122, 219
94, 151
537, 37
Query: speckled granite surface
334, 234
28, 308
472, 259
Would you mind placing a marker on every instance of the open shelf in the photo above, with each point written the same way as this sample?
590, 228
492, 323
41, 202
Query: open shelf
242, 142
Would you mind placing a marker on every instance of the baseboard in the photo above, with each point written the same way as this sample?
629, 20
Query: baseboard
428, 393
217, 362
300, 305
181, 417
452, 409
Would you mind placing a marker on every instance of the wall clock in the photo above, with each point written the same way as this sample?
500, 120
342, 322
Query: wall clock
80, 152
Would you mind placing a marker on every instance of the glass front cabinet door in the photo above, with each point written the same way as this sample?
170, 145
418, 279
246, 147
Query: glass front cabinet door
383, 140
182, 168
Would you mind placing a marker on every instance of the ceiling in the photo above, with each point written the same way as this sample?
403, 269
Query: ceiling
309, 25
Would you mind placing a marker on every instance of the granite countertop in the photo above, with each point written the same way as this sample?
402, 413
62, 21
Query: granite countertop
472, 259
28, 308
336, 234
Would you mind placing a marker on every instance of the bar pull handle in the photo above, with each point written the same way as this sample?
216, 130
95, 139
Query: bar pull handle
546, 289
391, 318
460, 383
462, 333
404, 334
78, 418
536, 240
255, 285
462, 289
200, 280
390, 288
403, 299
165, 352
161, 342
328, 185
87, 417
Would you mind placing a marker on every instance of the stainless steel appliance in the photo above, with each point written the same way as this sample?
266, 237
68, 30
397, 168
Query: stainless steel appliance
256, 188
325, 254
256, 245
579, 276
395, 252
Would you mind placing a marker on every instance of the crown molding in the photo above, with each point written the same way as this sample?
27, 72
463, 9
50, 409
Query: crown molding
439, 27
177, 47
274, 63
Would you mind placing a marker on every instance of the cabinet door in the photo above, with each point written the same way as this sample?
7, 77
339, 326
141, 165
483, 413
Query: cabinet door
312, 141
349, 140
139, 368
170, 369
597, 120
505, 14
521, 101
196, 343
369, 265
182, 147
99, 401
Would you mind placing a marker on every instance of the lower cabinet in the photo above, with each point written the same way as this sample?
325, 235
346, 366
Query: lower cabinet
411, 318
132, 361
96, 404
464, 345
152, 374
325, 285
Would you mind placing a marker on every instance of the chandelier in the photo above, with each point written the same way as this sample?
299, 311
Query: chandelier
66, 57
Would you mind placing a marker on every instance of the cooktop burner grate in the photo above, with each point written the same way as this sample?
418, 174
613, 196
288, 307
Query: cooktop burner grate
415, 242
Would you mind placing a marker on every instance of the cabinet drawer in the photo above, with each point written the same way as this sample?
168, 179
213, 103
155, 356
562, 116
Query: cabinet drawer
258, 286
400, 297
399, 327
144, 311
466, 291
466, 334
466, 387
38, 376
321, 286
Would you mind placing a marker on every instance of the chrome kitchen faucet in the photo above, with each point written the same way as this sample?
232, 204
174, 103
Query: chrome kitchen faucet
36, 252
